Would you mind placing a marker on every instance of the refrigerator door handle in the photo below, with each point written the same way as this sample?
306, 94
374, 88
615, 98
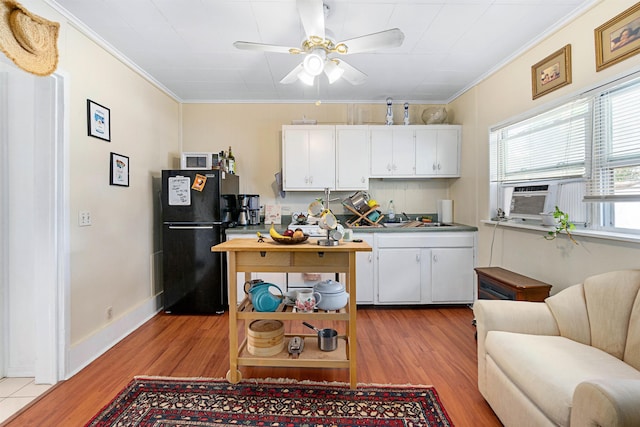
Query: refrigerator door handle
191, 227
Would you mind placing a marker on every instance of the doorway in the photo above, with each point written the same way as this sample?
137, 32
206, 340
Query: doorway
34, 253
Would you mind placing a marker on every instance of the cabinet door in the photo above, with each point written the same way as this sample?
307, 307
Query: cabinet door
452, 275
449, 152
426, 152
322, 159
404, 153
438, 151
364, 271
381, 151
308, 157
352, 158
399, 275
295, 159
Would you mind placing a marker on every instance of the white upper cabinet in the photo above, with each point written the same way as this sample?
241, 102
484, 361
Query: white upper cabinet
392, 151
438, 151
308, 157
344, 157
352, 157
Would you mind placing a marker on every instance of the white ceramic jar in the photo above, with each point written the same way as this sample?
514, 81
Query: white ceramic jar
333, 294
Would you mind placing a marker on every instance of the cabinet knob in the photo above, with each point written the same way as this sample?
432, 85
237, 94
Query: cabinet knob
417, 258
438, 165
435, 258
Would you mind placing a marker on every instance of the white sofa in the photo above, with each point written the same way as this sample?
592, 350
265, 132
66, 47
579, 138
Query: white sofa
573, 360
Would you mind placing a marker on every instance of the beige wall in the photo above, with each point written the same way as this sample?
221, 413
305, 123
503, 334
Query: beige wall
255, 130
507, 94
111, 261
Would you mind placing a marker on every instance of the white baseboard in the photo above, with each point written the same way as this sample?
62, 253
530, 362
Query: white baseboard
83, 353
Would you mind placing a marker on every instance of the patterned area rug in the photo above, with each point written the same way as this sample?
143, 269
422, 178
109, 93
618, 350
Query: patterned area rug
165, 402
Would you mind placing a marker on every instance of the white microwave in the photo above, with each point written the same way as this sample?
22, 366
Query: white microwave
197, 160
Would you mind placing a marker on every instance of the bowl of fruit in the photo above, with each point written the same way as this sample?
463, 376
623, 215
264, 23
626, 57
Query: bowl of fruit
288, 237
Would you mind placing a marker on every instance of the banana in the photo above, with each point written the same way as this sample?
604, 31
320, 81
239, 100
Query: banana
274, 234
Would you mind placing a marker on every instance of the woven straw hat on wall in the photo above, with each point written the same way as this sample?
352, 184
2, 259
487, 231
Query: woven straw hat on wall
27, 39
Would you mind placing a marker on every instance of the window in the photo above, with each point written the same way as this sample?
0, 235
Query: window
589, 146
615, 173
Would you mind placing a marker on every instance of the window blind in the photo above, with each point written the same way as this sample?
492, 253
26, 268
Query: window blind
549, 145
615, 169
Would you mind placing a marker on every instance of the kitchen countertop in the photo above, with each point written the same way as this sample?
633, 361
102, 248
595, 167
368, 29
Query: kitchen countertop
264, 228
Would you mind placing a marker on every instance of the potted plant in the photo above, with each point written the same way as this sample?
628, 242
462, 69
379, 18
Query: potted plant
560, 221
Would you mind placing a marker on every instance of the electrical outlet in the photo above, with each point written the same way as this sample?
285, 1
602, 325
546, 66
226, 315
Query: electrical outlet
109, 313
84, 218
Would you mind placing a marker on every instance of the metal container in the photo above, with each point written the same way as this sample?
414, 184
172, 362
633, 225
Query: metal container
359, 201
327, 338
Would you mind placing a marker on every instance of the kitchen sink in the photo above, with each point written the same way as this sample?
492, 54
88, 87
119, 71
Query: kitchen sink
395, 224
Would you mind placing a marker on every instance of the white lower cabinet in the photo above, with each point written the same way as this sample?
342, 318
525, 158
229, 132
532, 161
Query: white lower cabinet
365, 274
403, 268
425, 268
452, 275
399, 277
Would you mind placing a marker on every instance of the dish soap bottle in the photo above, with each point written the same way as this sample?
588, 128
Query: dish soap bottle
391, 211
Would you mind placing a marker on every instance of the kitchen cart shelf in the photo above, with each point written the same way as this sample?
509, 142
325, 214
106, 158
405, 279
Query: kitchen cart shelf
248, 255
311, 356
245, 310
359, 217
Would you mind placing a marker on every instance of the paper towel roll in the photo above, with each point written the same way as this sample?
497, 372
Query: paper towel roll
445, 211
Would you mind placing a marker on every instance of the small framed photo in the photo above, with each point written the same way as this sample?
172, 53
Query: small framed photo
119, 170
618, 38
552, 72
98, 120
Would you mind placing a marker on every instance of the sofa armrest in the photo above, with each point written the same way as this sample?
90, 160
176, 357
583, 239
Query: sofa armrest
511, 316
514, 316
606, 402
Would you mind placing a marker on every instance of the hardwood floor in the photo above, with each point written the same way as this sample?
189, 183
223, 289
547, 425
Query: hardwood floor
429, 346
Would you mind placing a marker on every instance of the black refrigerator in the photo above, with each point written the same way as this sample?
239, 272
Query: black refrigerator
197, 207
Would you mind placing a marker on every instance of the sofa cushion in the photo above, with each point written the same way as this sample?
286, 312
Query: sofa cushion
547, 369
570, 311
610, 298
632, 349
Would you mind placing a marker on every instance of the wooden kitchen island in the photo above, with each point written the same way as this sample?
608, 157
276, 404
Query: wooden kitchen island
249, 255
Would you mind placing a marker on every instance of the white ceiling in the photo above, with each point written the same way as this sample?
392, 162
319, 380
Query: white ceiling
186, 46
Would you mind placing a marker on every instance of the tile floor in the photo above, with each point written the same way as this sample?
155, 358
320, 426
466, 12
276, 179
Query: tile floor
15, 393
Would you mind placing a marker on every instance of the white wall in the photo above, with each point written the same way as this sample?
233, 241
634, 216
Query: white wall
21, 186
507, 94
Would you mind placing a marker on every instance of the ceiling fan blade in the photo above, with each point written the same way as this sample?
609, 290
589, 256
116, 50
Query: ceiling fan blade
351, 74
382, 40
292, 76
264, 47
312, 17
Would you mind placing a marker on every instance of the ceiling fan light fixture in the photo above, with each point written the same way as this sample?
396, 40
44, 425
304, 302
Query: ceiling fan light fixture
314, 62
332, 71
306, 78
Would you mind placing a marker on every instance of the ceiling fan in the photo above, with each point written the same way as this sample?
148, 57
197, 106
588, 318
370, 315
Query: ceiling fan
319, 49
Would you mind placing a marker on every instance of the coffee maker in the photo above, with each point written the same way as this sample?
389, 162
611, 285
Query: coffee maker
243, 213
254, 209
229, 208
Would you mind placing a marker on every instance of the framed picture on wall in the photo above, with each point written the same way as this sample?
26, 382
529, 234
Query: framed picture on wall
98, 120
618, 38
119, 170
552, 72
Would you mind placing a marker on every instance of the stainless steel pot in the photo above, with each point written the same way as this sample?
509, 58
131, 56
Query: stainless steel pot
327, 338
359, 201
